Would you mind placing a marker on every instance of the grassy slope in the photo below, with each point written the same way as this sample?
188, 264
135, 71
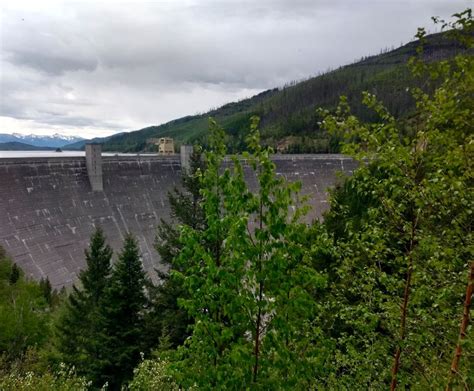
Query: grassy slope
290, 111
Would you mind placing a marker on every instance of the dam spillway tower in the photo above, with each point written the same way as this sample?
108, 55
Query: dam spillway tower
185, 157
94, 166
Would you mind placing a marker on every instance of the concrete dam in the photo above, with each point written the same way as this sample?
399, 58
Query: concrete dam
49, 206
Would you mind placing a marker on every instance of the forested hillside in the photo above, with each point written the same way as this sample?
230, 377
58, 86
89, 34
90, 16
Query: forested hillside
288, 114
17, 146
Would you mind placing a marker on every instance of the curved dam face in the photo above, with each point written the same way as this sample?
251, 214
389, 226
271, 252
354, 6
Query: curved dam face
50, 206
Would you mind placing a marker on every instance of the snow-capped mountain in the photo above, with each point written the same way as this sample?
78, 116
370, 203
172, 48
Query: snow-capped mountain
54, 141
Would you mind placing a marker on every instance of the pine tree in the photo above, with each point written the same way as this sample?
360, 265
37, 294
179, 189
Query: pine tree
47, 290
166, 318
14, 274
121, 320
185, 210
78, 325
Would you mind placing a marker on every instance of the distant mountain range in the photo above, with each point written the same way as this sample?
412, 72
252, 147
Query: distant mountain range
32, 140
20, 142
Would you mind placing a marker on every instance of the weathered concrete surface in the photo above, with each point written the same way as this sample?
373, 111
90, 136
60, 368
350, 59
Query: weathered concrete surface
48, 209
94, 166
317, 173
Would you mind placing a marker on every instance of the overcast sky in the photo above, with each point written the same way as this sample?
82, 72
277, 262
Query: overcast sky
93, 68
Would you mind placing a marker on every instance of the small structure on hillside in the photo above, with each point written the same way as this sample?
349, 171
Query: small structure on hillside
165, 145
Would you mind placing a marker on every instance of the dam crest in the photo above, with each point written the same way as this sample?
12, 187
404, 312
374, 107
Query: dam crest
49, 206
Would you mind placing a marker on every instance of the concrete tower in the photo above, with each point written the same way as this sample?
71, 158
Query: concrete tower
185, 156
94, 166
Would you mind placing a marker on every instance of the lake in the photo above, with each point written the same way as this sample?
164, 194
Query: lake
25, 154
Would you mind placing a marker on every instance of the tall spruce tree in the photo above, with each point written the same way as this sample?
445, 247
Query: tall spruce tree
47, 290
166, 318
121, 319
15, 273
78, 325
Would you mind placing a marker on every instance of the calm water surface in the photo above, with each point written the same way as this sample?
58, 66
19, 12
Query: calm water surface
25, 154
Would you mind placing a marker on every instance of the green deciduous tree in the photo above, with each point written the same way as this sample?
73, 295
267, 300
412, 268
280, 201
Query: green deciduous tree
23, 320
27, 313
152, 375
247, 276
398, 290
63, 379
24, 314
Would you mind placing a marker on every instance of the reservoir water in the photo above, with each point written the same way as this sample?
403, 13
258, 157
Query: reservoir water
26, 154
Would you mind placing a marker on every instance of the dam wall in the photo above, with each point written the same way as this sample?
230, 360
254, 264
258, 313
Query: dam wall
50, 206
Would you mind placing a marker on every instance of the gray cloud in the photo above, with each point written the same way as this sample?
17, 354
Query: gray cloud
54, 65
116, 66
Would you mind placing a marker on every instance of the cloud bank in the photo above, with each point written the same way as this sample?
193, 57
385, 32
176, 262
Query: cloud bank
94, 68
